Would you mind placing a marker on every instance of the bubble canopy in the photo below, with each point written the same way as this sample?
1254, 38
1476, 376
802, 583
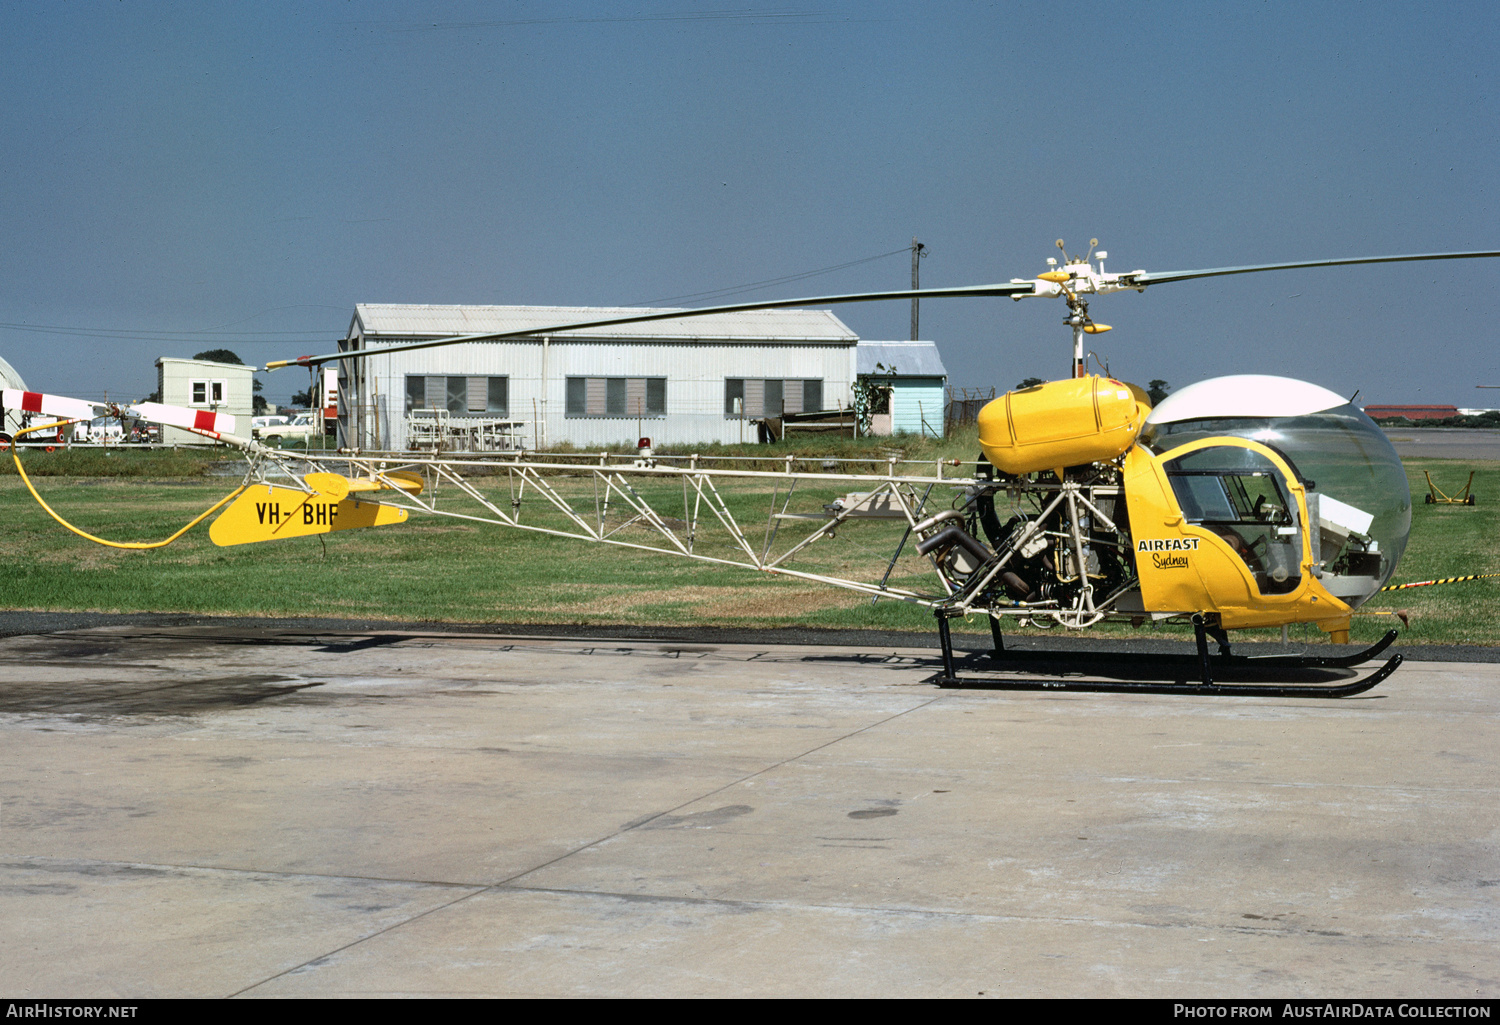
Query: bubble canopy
1357, 495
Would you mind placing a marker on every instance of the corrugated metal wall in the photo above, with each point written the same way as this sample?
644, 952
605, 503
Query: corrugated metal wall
694, 373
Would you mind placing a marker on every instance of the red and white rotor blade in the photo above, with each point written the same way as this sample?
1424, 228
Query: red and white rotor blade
203, 421
59, 406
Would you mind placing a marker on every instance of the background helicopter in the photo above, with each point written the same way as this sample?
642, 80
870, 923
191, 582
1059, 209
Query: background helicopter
1239, 502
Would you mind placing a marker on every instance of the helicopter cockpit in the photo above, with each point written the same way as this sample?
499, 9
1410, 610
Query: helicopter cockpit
1357, 494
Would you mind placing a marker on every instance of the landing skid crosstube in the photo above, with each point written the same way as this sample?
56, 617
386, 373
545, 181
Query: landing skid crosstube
1284, 676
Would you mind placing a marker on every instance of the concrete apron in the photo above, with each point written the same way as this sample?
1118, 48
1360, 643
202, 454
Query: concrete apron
200, 812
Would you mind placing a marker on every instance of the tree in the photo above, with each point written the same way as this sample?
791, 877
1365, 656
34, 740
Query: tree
302, 398
1158, 390
220, 356
872, 394
1030, 382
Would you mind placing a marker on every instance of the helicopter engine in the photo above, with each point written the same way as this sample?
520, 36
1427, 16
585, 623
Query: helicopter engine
957, 552
1053, 554
1067, 555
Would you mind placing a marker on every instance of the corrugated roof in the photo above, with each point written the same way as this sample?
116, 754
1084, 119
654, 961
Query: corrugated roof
399, 320
910, 359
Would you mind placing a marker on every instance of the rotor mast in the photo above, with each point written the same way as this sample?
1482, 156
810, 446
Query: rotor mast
1076, 319
1076, 276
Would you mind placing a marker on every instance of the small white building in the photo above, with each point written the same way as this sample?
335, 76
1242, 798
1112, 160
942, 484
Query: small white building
203, 384
692, 381
914, 373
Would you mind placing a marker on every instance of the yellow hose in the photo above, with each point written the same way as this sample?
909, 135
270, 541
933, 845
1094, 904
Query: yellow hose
15, 452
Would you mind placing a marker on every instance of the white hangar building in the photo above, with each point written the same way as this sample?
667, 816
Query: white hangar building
689, 381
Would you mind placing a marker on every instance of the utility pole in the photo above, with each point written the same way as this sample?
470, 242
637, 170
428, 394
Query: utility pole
918, 250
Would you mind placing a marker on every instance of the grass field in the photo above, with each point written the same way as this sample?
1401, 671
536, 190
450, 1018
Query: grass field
444, 570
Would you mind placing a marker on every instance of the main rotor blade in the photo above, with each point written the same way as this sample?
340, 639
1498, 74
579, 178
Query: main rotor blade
1145, 278
60, 406
1014, 289
202, 421
1007, 289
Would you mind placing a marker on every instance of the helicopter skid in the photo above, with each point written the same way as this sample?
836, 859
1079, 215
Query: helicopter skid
1294, 676
1267, 690
1225, 660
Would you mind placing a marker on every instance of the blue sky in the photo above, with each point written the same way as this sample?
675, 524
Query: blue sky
178, 177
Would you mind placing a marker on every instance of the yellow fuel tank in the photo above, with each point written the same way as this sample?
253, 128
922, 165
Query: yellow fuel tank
1062, 423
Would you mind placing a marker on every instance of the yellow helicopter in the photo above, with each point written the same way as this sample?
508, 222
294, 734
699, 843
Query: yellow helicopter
1246, 501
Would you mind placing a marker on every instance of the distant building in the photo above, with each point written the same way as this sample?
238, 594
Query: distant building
202, 384
1410, 412
917, 380
696, 380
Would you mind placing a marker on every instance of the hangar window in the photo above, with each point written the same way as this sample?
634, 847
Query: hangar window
460, 396
617, 396
751, 397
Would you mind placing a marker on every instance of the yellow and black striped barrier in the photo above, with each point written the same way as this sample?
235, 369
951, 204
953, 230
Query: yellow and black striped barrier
1444, 580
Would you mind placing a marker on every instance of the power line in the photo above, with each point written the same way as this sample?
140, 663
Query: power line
737, 289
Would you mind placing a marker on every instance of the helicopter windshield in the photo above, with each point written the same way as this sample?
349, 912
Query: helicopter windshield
1357, 493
